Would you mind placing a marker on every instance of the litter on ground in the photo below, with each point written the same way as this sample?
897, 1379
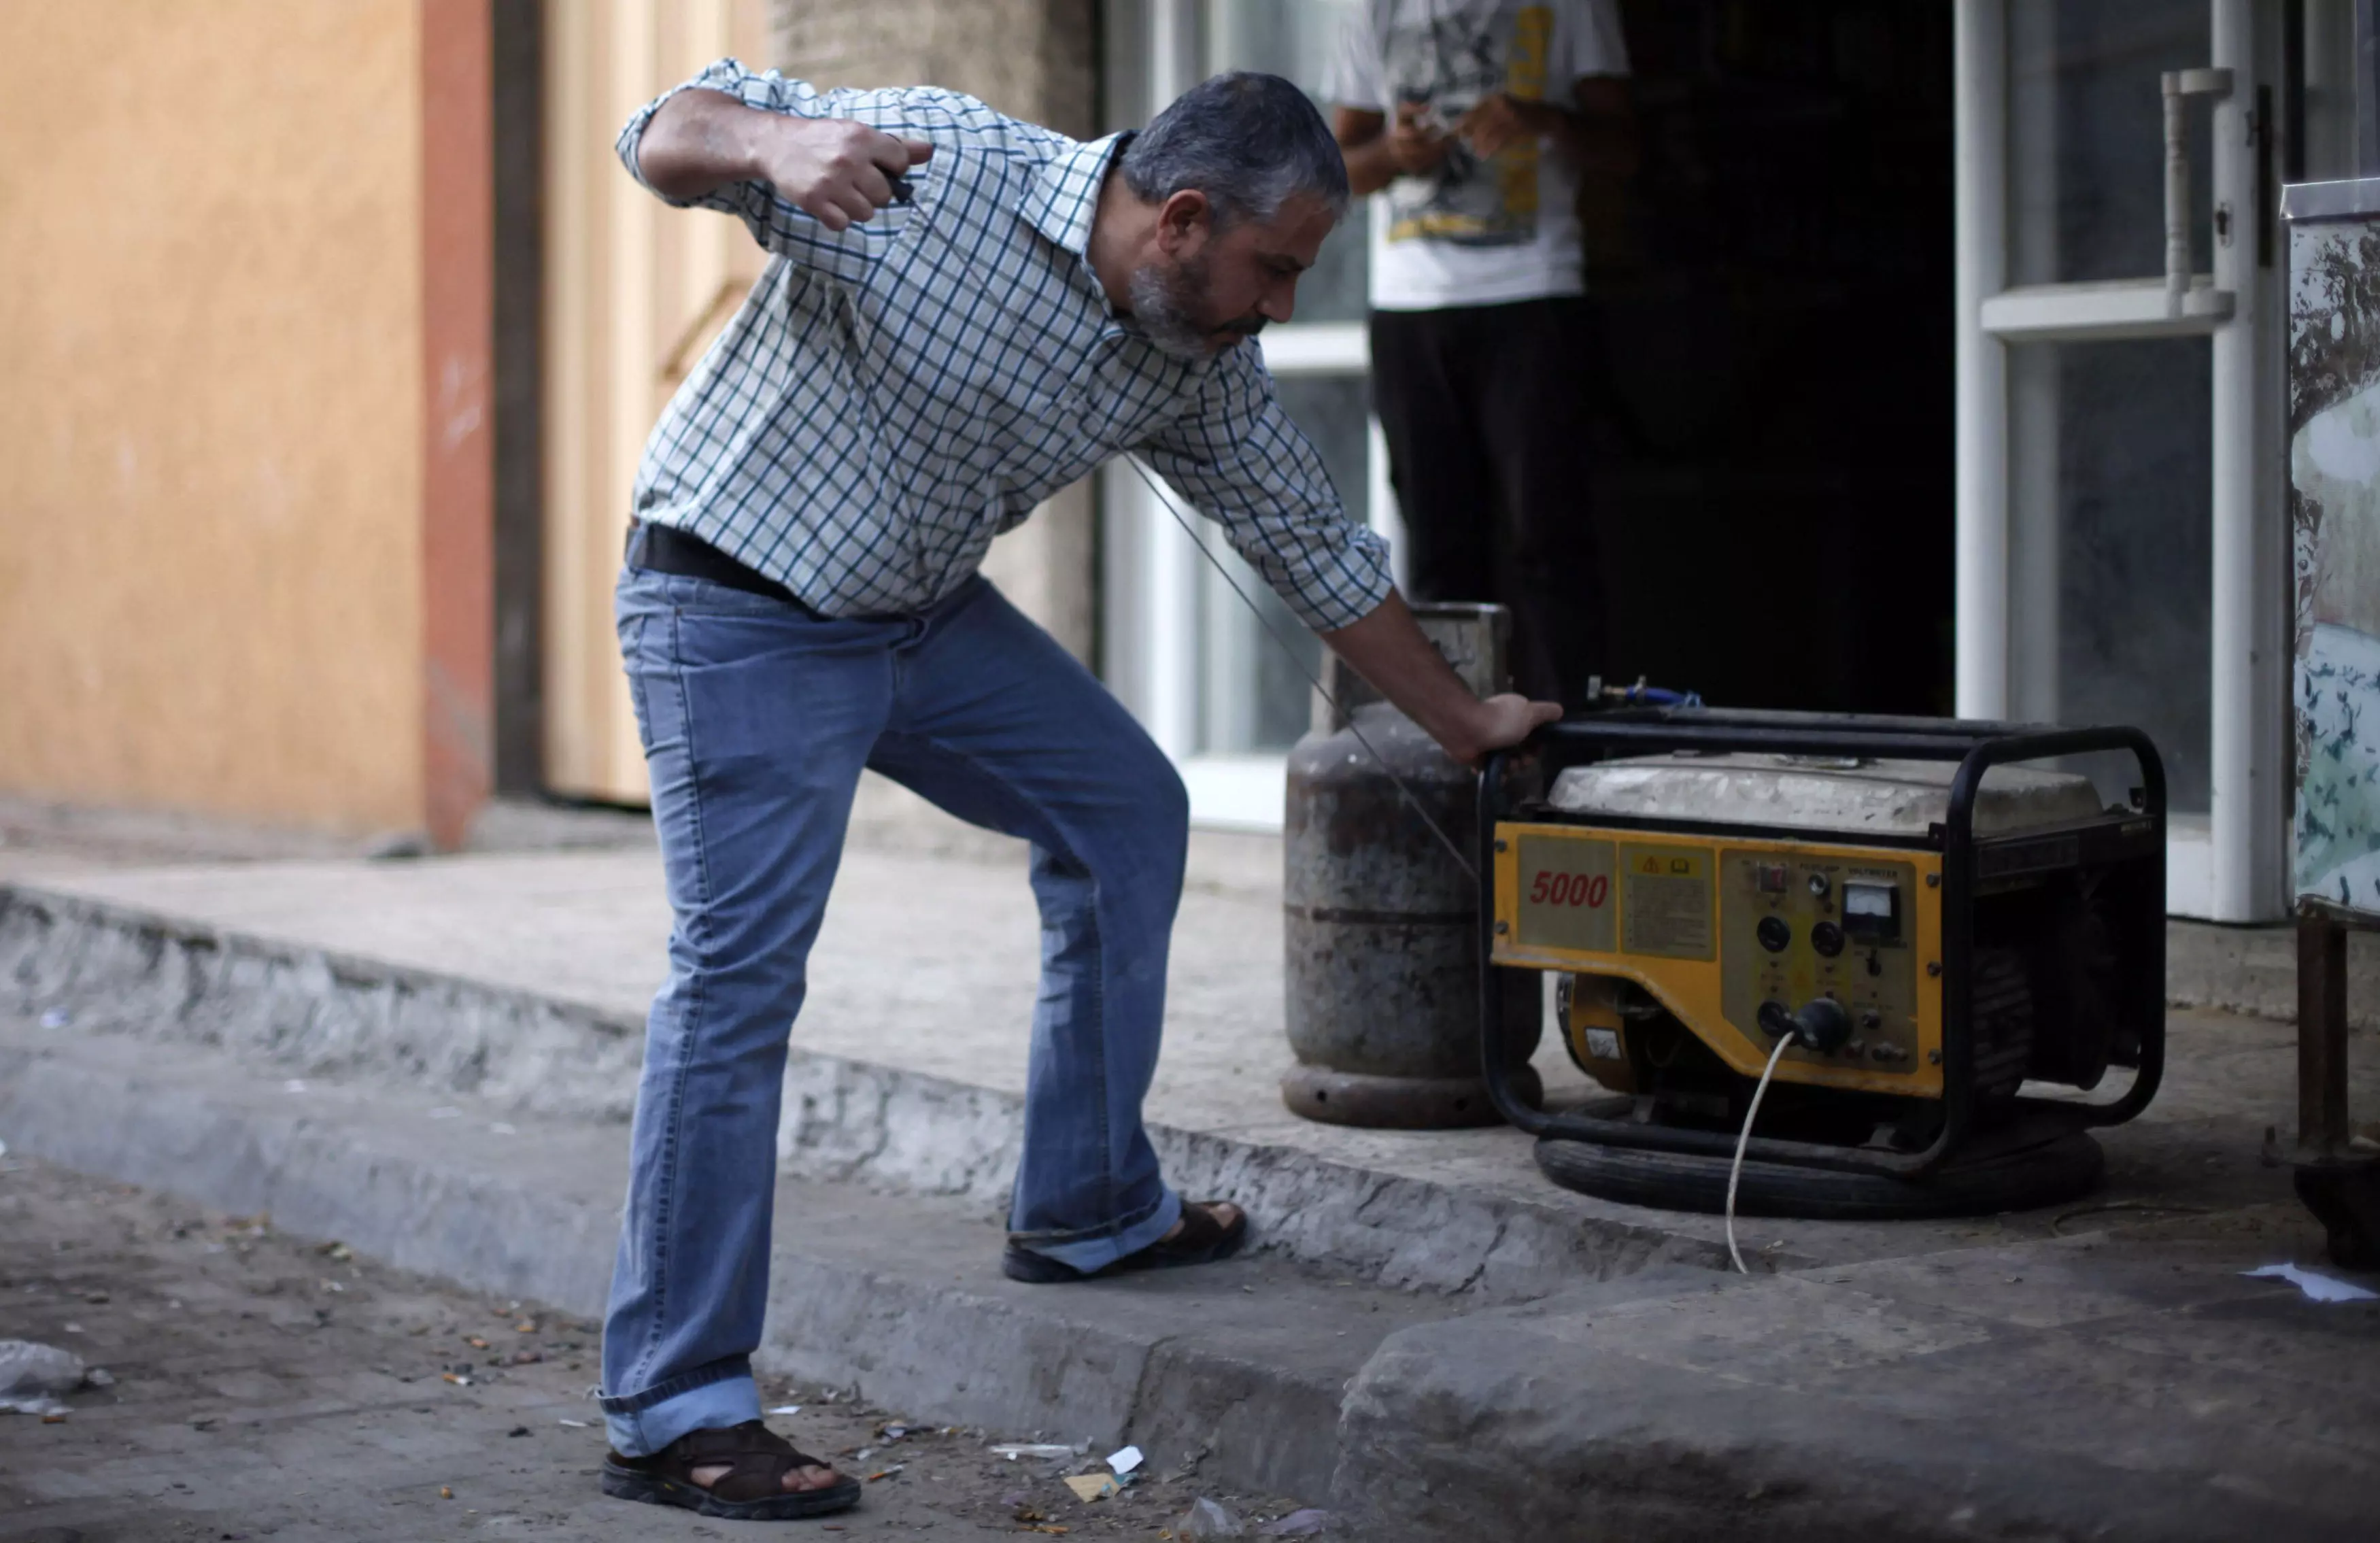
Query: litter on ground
1207, 1520
32, 1376
2318, 1288
1092, 1487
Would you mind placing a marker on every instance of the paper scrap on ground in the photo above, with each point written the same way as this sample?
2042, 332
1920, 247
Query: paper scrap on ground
1125, 1461
2318, 1288
32, 1374
786, 1409
1046, 1450
1092, 1487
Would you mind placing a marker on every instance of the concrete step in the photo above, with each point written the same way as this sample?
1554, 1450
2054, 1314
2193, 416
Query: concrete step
2119, 1387
2254, 969
521, 982
1437, 1342
2128, 1388
1462, 1212
1241, 1364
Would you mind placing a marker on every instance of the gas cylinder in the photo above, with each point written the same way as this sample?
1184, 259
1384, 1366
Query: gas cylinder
1382, 923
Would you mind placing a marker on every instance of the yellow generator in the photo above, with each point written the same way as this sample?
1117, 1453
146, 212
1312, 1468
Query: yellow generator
1914, 948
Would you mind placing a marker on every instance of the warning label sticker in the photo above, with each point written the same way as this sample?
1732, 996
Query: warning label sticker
1665, 901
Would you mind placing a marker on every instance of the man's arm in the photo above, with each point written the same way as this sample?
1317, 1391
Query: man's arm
1247, 468
1387, 649
803, 169
835, 170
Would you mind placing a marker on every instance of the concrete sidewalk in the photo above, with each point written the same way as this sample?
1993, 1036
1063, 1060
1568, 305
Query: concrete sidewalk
433, 1061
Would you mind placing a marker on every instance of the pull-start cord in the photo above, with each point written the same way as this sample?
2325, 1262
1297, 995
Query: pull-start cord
1735, 1169
1453, 849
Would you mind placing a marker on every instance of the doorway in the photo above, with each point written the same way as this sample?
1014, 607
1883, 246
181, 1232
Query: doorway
1776, 472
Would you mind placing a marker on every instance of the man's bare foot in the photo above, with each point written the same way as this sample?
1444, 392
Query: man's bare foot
796, 1480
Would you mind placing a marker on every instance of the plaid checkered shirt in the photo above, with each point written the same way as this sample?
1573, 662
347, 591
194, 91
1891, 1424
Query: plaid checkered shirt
894, 395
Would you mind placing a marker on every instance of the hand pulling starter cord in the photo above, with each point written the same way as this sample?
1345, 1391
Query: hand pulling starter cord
1735, 1169
1167, 503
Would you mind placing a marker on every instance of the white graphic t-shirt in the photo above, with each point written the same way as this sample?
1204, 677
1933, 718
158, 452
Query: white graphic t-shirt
1475, 231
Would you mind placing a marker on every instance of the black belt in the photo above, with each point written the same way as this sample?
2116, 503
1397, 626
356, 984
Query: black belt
666, 549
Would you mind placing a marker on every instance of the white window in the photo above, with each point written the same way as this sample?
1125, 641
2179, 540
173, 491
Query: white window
2123, 549
1204, 675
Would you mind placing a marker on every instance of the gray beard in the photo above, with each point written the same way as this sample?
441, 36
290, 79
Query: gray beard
1164, 303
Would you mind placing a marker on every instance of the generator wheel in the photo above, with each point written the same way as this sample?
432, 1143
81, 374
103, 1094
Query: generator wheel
2058, 1169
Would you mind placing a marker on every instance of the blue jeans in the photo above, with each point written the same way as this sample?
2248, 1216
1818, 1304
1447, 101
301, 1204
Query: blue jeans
756, 719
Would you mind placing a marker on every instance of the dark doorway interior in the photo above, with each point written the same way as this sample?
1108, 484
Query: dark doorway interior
1777, 481
518, 55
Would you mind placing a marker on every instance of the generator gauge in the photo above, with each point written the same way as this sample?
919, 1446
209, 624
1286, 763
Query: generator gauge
1872, 911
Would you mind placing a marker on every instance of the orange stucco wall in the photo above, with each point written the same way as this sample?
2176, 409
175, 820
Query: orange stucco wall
209, 407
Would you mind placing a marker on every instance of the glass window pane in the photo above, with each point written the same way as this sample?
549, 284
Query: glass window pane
2325, 65
2086, 137
2110, 528
1336, 412
1253, 696
1294, 39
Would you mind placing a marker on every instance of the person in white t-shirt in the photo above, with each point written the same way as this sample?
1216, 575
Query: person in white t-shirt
1473, 119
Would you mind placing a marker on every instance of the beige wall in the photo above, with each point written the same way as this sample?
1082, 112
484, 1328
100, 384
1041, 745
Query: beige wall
209, 324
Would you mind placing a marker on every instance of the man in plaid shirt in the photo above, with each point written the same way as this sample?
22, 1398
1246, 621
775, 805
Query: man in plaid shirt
965, 314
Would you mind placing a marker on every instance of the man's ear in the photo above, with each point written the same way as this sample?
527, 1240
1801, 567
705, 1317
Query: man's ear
1183, 223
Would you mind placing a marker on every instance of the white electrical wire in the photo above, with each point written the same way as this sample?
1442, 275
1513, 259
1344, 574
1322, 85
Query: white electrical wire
1736, 1170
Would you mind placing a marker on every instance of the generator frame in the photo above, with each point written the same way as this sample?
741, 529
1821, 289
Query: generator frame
1977, 745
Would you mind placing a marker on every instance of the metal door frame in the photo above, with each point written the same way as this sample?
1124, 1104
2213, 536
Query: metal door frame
2233, 866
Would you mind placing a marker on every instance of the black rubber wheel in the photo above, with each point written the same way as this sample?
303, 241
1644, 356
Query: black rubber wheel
2059, 1169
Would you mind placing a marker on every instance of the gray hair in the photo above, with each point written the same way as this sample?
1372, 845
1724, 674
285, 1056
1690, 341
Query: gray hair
1249, 141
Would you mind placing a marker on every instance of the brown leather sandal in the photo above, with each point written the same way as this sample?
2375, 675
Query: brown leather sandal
752, 1489
1202, 1240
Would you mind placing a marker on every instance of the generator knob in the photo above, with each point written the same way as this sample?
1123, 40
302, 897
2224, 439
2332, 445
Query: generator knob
1775, 934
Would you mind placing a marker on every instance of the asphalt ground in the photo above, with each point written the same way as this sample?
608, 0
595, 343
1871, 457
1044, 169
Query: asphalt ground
268, 1387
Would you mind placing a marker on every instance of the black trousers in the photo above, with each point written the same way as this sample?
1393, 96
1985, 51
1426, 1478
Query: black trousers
1487, 411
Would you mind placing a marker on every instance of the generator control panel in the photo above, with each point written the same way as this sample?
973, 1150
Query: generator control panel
1800, 927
